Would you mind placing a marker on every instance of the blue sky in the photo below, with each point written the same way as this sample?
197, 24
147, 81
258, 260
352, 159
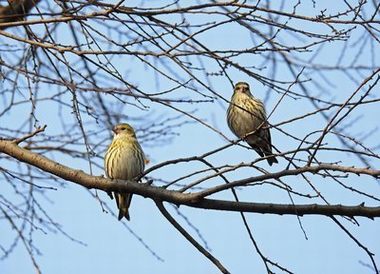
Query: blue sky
111, 247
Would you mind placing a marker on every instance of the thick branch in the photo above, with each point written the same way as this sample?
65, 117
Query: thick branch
289, 209
190, 199
88, 181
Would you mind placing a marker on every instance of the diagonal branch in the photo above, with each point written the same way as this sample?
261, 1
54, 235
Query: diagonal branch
188, 237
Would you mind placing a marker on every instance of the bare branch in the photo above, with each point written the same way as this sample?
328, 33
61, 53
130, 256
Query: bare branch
188, 237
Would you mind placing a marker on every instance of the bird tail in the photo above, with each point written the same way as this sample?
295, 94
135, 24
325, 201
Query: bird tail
268, 153
123, 202
271, 159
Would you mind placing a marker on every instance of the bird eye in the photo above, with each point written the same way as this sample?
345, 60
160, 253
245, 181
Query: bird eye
123, 128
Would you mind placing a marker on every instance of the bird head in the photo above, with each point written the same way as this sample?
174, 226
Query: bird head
124, 130
242, 87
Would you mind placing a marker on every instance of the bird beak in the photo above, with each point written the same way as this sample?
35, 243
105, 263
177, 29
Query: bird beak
115, 130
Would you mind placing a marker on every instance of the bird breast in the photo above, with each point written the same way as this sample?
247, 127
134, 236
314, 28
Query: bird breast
243, 117
125, 163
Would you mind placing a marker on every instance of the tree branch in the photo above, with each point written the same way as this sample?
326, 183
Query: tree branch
293, 172
179, 198
188, 237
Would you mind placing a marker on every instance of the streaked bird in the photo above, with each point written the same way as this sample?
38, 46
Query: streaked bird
247, 119
124, 160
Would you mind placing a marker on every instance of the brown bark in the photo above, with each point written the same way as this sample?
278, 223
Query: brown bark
190, 199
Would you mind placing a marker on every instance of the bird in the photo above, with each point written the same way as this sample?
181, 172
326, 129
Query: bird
124, 160
246, 117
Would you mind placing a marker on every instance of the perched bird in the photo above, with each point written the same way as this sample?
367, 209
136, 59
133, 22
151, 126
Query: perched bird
245, 115
124, 160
